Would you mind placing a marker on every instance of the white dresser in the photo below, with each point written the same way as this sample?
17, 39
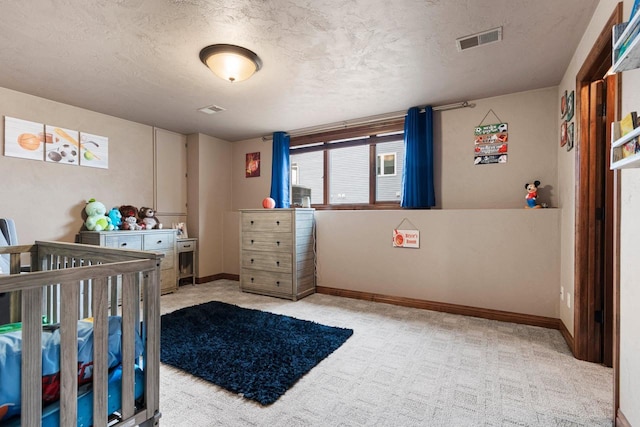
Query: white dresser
277, 252
163, 240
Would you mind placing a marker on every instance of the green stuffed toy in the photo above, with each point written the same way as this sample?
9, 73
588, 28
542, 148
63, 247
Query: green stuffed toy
96, 217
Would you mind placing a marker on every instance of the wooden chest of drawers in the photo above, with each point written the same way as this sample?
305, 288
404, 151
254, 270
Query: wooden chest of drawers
277, 252
163, 240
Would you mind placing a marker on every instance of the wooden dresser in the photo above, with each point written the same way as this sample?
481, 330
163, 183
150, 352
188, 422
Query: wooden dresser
163, 240
277, 252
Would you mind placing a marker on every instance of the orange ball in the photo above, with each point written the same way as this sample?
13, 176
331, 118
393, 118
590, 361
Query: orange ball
268, 203
28, 141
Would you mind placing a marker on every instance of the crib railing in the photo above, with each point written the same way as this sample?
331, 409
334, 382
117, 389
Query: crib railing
68, 282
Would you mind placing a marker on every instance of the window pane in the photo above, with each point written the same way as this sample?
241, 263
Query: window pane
389, 178
309, 169
349, 175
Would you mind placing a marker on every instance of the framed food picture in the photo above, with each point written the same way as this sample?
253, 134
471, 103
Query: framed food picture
563, 134
563, 105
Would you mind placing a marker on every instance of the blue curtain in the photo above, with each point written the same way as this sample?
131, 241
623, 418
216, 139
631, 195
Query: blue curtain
280, 170
417, 177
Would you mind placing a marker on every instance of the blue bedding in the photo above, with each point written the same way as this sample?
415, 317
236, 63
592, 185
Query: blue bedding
10, 361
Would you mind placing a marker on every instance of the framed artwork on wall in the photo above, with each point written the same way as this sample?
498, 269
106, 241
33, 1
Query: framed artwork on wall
570, 137
563, 105
563, 134
23, 139
570, 107
252, 165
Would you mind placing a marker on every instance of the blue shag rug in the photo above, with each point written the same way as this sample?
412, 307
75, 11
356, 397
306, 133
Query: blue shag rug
254, 353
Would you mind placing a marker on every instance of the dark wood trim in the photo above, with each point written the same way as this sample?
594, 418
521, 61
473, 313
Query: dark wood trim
485, 313
364, 206
218, 276
621, 420
372, 173
567, 335
386, 126
584, 271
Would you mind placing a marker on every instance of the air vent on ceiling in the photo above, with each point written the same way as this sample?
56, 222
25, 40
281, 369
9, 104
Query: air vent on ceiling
479, 39
211, 109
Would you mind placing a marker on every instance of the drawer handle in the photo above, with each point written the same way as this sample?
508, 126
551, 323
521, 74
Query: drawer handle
123, 244
277, 222
251, 260
251, 222
187, 246
252, 241
278, 283
252, 280
278, 263
158, 242
278, 243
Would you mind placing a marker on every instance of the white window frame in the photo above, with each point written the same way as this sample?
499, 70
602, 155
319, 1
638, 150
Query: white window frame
294, 167
380, 160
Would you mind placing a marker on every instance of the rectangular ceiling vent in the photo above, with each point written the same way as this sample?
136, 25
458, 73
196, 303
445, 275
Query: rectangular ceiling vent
479, 39
211, 109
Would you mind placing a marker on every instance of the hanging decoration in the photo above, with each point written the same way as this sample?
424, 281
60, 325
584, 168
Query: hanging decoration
407, 237
490, 144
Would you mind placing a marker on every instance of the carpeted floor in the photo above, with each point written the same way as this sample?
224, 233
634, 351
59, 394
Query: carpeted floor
402, 367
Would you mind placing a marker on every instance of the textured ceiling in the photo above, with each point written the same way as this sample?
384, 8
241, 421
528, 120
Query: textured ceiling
324, 60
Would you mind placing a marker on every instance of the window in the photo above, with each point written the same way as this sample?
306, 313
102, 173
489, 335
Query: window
386, 164
357, 168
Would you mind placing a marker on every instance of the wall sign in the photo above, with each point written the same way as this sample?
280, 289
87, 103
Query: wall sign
406, 237
490, 142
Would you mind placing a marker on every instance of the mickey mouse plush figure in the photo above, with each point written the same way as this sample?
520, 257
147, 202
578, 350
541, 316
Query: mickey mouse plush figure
532, 194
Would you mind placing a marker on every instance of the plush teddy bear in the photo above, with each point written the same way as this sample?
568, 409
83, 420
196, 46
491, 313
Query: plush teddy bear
97, 220
148, 218
532, 194
116, 218
129, 218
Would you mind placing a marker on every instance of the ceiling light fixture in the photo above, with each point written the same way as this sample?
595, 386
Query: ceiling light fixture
230, 62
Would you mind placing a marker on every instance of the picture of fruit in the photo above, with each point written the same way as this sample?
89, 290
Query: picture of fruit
28, 141
88, 155
399, 239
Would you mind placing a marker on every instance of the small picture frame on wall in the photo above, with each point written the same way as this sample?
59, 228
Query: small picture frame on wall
563, 105
252, 165
563, 134
570, 136
570, 106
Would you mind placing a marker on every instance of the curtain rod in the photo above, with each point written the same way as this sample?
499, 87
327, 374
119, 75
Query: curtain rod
371, 119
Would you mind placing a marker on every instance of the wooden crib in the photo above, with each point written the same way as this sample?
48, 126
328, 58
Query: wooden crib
68, 282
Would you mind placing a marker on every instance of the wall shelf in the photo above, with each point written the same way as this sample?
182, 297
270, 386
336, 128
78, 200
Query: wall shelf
633, 161
626, 45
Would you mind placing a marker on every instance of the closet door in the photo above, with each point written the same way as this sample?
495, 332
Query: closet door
170, 189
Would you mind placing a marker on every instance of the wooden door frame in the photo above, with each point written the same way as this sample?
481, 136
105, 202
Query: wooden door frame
585, 211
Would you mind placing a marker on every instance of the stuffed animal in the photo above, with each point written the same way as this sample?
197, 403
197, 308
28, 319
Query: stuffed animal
532, 194
116, 218
97, 220
148, 218
129, 218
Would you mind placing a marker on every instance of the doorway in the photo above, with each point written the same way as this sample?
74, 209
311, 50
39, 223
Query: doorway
597, 199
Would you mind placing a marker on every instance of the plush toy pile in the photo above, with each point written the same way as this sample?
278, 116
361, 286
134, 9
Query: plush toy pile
125, 217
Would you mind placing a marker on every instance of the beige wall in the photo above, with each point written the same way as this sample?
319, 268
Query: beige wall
46, 200
505, 258
532, 118
629, 228
501, 259
209, 197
